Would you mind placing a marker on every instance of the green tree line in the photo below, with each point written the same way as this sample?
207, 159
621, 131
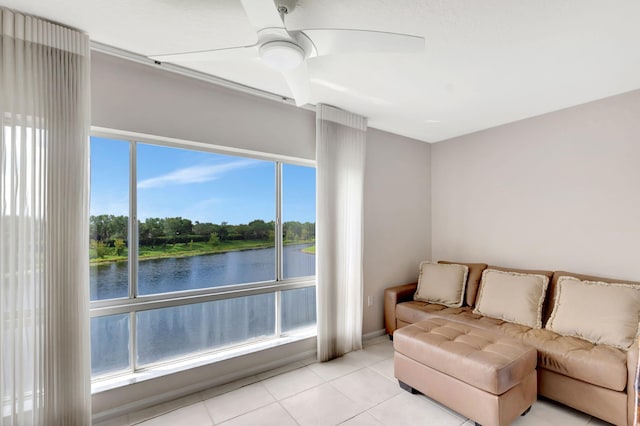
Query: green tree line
111, 231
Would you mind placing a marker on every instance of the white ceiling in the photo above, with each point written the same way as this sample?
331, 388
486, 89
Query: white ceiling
485, 63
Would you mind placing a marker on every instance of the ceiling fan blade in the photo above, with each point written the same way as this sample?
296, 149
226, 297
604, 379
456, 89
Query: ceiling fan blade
228, 54
339, 41
262, 14
298, 82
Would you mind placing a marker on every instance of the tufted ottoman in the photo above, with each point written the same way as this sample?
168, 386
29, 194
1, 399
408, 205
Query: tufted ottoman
486, 377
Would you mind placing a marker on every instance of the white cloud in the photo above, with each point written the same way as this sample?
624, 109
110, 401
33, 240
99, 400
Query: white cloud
193, 174
109, 204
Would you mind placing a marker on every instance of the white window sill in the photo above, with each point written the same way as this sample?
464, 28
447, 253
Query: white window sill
102, 385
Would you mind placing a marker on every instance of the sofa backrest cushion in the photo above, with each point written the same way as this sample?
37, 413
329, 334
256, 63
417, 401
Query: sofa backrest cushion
512, 296
443, 284
599, 312
523, 271
554, 282
473, 281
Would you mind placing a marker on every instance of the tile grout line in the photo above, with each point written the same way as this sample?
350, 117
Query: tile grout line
386, 377
275, 398
147, 418
287, 411
376, 405
205, 408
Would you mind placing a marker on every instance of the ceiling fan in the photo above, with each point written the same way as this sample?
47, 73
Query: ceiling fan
292, 52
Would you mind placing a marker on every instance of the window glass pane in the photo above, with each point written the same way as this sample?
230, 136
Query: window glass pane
108, 231
168, 333
298, 308
109, 344
299, 220
205, 219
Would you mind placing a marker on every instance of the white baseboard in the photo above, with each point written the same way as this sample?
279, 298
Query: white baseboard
374, 334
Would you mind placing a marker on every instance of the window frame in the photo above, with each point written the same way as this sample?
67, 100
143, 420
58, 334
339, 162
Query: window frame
135, 302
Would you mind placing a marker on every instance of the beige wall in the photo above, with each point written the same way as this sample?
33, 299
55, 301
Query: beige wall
397, 223
558, 191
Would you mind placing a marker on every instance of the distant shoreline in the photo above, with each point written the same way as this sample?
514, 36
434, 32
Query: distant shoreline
198, 250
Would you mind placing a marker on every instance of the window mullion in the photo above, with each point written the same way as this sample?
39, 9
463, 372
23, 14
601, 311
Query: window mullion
279, 243
278, 301
132, 342
278, 224
133, 251
133, 223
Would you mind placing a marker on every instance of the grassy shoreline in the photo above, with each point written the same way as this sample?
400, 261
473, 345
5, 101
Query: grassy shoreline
192, 249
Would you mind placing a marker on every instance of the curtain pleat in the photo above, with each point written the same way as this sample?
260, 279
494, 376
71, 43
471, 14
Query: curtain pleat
340, 157
44, 302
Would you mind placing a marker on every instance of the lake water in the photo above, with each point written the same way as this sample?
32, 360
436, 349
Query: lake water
111, 280
173, 332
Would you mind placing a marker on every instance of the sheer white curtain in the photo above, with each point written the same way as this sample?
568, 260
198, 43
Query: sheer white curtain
44, 273
340, 157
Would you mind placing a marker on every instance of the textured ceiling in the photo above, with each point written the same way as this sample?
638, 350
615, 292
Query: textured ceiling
485, 63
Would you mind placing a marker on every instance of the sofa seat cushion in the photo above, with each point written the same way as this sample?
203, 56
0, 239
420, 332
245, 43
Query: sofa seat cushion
600, 365
415, 311
482, 359
481, 321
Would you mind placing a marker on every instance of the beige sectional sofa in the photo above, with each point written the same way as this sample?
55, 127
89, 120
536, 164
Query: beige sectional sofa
587, 349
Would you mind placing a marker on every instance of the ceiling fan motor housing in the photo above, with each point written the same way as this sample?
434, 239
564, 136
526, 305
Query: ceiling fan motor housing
281, 55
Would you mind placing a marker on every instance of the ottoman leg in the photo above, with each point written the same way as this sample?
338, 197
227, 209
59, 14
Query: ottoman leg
526, 411
406, 387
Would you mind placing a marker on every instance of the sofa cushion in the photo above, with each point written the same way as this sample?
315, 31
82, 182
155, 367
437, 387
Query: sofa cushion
551, 291
544, 272
512, 296
601, 313
414, 311
473, 280
600, 365
442, 283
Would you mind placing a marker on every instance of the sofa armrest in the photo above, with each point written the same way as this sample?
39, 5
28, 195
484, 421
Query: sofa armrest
632, 371
393, 296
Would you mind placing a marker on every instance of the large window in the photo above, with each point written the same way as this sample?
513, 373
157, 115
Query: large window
195, 251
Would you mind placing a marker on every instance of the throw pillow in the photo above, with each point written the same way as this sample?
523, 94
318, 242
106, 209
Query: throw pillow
473, 280
601, 313
512, 297
442, 283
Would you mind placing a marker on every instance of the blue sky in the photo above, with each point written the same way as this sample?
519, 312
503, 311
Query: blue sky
197, 185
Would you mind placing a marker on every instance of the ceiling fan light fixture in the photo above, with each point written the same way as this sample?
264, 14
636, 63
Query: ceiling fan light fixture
281, 55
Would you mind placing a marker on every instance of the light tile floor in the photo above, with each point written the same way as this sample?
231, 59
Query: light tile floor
357, 389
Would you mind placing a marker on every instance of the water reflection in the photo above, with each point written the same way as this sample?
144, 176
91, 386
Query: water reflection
172, 332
